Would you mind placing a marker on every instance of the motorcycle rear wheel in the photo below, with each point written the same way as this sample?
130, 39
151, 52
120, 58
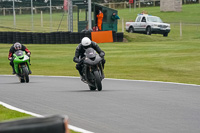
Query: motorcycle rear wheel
97, 81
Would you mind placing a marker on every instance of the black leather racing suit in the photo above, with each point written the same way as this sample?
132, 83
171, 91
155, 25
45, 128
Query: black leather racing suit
79, 54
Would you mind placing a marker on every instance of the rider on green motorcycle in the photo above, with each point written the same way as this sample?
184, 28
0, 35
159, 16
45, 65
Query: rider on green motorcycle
80, 50
15, 47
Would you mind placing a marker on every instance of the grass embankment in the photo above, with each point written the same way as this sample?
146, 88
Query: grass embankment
189, 14
188, 17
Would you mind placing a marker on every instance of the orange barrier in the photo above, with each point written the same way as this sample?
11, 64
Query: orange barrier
102, 36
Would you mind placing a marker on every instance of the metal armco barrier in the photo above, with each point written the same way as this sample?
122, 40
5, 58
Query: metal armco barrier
50, 38
120, 36
51, 124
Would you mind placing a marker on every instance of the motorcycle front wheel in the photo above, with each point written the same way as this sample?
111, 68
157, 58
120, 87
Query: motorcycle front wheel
26, 74
97, 81
22, 80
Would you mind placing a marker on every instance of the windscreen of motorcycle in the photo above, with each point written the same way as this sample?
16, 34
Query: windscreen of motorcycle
90, 53
19, 53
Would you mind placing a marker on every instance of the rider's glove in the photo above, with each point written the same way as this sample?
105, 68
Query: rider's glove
29, 54
76, 60
82, 59
102, 54
10, 58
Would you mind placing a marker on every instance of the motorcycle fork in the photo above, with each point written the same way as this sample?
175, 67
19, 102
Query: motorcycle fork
28, 65
101, 71
20, 68
95, 69
99, 68
90, 68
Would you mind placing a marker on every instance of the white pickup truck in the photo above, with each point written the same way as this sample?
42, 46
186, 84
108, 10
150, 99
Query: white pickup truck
148, 24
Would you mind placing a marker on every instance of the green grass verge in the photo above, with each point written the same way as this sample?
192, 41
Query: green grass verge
172, 61
7, 114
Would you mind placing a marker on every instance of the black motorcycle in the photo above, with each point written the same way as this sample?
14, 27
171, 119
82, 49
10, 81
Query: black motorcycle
93, 69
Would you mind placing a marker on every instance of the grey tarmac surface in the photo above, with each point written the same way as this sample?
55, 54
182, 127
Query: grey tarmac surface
121, 107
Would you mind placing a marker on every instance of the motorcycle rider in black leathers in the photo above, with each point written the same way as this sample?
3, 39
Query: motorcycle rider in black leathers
80, 50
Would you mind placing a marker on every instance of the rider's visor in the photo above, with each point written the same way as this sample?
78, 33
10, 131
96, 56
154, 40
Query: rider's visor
17, 47
85, 47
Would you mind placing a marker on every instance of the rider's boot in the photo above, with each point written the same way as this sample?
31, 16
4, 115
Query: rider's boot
13, 70
81, 75
30, 72
29, 61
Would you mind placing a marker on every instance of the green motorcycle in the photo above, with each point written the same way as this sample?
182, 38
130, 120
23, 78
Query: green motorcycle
21, 65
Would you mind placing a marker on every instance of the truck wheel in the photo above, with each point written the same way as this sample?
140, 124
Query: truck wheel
165, 34
148, 30
131, 30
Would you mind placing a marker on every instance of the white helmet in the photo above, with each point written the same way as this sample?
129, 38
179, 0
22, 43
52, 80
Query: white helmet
17, 46
86, 41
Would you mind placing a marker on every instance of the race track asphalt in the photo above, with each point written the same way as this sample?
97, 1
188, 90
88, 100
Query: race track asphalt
121, 107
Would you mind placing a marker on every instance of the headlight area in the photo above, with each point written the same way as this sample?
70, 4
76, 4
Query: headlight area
155, 26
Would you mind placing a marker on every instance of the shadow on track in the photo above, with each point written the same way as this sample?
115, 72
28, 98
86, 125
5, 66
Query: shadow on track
19, 83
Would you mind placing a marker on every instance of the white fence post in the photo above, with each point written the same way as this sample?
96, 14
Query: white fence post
180, 29
41, 19
20, 10
139, 4
32, 15
14, 17
124, 5
135, 5
4, 11
50, 16
122, 24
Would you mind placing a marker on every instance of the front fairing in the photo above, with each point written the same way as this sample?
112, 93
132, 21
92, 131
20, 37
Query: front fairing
94, 62
91, 57
20, 57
